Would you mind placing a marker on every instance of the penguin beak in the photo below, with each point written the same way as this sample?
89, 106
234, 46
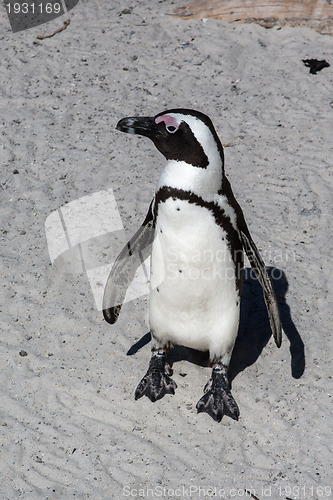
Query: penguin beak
142, 126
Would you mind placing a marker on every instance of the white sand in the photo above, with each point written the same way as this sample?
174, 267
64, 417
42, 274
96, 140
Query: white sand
70, 427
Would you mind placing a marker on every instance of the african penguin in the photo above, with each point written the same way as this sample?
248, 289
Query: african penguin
197, 233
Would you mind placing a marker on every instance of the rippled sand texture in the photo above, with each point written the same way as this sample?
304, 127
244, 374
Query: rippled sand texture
70, 427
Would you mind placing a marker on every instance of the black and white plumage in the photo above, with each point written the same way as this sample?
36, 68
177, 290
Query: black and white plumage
197, 233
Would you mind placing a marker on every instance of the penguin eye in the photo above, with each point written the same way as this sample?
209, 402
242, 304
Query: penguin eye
170, 122
171, 129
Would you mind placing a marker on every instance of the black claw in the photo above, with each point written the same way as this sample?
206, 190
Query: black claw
156, 383
217, 400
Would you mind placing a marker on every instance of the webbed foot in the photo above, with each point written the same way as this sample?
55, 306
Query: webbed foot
217, 400
157, 382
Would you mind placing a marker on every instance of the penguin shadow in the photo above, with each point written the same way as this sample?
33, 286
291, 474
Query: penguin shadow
254, 330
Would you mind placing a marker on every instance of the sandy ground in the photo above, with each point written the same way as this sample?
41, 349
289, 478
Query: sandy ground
70, 427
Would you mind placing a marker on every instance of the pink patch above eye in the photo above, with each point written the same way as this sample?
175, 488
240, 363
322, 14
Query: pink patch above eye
169, 121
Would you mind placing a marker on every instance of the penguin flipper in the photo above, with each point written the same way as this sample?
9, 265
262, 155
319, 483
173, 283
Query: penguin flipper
123, 270
257, 265
259, 268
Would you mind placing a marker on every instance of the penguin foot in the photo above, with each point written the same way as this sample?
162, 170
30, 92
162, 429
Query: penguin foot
218, 400
157, 382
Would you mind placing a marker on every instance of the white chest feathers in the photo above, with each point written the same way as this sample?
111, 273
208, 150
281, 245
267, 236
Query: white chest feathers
194, 300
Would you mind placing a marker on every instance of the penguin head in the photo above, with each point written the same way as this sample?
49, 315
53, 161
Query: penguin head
180, 135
